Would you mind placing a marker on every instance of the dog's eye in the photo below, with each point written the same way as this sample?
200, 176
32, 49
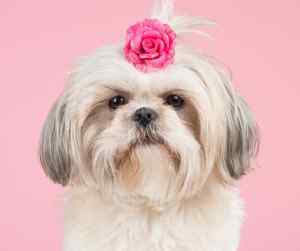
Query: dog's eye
175, 101
117, 101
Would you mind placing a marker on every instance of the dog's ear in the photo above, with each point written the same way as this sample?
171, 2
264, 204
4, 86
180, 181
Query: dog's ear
242, 138
54, 146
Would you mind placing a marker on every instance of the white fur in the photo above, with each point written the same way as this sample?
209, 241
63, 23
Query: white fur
177, 194
209, 222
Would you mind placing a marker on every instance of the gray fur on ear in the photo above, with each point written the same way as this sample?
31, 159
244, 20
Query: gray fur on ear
55, 146
242, 139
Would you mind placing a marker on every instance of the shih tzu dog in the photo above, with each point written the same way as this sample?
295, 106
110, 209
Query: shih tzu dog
149, 136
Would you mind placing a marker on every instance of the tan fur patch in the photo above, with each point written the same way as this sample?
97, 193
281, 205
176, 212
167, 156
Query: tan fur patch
190, 117
128, 168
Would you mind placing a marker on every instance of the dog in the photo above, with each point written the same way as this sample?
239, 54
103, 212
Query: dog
149, 138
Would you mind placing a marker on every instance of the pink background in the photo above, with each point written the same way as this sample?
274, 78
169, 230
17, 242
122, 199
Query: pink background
39, 40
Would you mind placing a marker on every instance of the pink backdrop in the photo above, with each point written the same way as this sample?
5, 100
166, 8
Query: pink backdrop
258, 39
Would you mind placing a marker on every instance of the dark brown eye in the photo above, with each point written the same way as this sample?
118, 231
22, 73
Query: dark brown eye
116, 101
175, 101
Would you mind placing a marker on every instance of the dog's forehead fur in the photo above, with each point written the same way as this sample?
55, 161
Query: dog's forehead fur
112, 69
157, 82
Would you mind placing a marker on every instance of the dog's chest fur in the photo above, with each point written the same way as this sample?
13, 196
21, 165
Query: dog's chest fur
208, 223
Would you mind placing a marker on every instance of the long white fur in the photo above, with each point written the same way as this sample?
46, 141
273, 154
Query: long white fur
194, 208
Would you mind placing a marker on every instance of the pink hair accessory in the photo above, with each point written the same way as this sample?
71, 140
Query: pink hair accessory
150, 45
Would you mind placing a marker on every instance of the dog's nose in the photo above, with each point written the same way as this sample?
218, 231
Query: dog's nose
144, 116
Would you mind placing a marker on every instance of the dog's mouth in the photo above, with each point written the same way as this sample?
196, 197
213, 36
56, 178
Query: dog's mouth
142, 154
148, 136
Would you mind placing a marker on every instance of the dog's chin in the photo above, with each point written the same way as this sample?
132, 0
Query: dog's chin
147, 169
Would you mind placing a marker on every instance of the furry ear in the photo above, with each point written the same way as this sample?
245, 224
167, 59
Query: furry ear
242, 138
55, 146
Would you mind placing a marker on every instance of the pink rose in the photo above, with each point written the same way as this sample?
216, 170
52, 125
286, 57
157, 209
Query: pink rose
150, 44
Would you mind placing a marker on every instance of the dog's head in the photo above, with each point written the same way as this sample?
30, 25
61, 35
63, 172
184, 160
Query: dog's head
156, 135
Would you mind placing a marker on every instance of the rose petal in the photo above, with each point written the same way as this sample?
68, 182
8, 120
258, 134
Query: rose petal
148, 43
134, 58
151, 33
172, 35
149, 55
135, 43
166, 40
156, 24
171, 53
158, 62
160, 45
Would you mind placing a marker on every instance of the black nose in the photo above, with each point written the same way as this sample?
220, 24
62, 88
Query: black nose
144, 116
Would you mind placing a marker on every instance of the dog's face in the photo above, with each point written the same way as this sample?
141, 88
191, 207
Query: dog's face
153, 135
